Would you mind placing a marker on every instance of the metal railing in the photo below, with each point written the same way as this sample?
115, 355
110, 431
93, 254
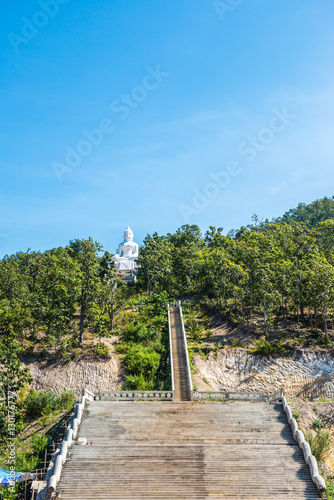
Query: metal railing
236, 396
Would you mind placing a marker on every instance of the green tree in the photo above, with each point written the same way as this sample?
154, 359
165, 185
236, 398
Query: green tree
111, 298
58, 283
155, 260
85, 252
310, 215
323, 285
12, 378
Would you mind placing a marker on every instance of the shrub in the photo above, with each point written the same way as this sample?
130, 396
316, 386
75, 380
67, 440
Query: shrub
318, 423
38, 402
321, 444
139, 333
26, 462
142, 361
262, 348
115, 332
191, 357
66, 400
43, 403
296, 413
330, 491
194, 330
101, 350
121, 348
208, 334
65, 347
138, 383
236, 342
39, 443
157, 304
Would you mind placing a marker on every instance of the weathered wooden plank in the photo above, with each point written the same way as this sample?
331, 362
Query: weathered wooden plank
189, 451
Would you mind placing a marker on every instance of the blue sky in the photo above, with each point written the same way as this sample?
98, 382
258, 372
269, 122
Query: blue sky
156, 100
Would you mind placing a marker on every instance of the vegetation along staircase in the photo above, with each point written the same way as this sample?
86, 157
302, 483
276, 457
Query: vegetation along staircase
156, 450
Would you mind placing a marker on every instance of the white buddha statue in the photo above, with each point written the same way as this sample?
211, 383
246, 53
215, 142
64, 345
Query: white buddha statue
127, 252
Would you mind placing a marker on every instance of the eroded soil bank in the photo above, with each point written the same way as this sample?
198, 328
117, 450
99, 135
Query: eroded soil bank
238, 370
226, 370
59, 376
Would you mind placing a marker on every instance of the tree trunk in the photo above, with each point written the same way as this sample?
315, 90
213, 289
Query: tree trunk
325, 316
315, 316
112, 319
300, 285
265, 316
302, 314
243, 313
82, 322
58, 334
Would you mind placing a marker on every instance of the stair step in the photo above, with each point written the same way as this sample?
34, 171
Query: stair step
138, 454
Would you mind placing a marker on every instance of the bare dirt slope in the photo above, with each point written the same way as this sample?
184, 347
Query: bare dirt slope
93, 373
238, 370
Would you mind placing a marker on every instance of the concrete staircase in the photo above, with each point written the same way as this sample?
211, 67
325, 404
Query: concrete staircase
185, 450
180, 354
188, 451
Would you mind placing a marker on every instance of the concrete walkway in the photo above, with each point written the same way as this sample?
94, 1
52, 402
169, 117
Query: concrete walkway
188, 451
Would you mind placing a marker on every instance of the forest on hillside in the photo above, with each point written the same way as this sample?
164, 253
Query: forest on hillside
269, 270
281, 268
270, 277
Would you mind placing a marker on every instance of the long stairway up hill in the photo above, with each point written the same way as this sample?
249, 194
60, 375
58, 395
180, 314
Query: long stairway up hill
166, 451
184, 450
180, 357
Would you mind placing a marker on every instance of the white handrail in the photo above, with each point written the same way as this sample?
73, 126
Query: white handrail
186, 348
171, 350
235, 395
61, 454
305, 447
107, 395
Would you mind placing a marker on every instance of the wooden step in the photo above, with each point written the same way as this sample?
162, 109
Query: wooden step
171, 451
